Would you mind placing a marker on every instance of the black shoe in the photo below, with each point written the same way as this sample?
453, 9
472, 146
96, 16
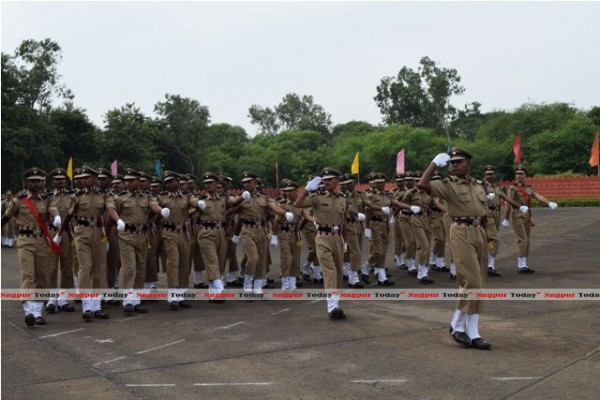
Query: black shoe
453, 277
270, 280
128, 309
87, 316
480, 344
50, 308
387, 282
493, 272
29, 320
413, 271
200, 285
402, 266
345, 278
298, 283
461, 338
66, 308
78, 301
236, 283
40, 321
100, 314
433, 267
174, 306
365, 278
526, 270
184, 304
425, 280
139, 309
306, 277
269, 286
317, 281
337, 313
356, 285
444, 269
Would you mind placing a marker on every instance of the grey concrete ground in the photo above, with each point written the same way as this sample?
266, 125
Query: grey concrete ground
291, 350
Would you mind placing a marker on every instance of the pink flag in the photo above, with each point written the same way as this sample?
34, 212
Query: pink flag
114, 169
400, 162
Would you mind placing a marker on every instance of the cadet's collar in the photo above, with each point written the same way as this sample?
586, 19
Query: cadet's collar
177, 193
34, 195
466, 179
91, 190
59, 191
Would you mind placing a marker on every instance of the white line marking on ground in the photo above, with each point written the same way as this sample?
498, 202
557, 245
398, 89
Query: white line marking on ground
150, 384
379, 381
129, 318
234, 384
516, 378
109, 361
160, 347
60, 333
315, 301
280, 311
232, 325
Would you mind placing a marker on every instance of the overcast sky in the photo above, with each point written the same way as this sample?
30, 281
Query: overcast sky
231, 55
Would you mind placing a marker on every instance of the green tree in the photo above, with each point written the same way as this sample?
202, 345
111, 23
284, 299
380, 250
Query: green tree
419, 98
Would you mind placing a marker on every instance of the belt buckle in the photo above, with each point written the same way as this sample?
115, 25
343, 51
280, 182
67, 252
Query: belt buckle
335, 229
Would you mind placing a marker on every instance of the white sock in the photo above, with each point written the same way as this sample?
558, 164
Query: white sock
491, 261
439, 262
458, 321
410, 262
472, 325
353, 277
380, 272
423, 270
333, 302
317, 272
366, 268
453, 268
346, 269
197, 277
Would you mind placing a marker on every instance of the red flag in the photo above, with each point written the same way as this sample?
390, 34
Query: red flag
400, 162
114, 169
595, 153
517, 149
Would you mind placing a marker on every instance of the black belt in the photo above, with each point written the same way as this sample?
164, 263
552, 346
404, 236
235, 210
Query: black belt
492, 207
31, 232
288, 227
468, 221
174, 227
405, 212
213, 224
328, 229
136, 227
252, 222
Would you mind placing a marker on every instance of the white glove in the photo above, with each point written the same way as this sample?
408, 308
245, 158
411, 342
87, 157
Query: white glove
523, 209
289, 216
165, 212
392, 220
368, 233
441, 159
552, 205
56, 239
120, 225
491, 196
313, 184
246, 195
235, 239
57, 222
386, 210
361, 217
505, 223
201, 204
274, 241
415, 209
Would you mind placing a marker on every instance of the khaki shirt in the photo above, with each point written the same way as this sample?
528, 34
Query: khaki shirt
356, 200
288, 205
417, 197
89, 203
516, 195
328, 208
379, 198
20, 212
254, 208
61, 200
216, 208
464, 197
133, 207
179, 205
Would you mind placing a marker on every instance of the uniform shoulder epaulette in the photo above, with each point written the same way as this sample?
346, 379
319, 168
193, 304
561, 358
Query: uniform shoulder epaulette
342, 194
77, 193
223, 194
21, 194
478, 181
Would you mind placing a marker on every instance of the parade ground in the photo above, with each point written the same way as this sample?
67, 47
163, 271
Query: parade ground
543, 347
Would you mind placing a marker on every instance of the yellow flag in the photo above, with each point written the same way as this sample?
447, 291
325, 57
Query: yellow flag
354, 169
70, 168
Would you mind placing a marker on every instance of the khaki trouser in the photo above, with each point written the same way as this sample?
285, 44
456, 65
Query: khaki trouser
254, 243
439, 234
113, 258
309, 234
330, 251
177, 251
422, 233
36, 262
134, 250
353, 236
491, 231
469, 250
407, 236
64, 264
152, 259
522, 226
90, 247
380, 239
289, 256
398, 239
212, 244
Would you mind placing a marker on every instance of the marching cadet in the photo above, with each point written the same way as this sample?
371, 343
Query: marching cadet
155, 223
467, 205
522, 193
438, 232
398, 193
131, 212
176, 234
233, 278
211, 236
188, 186
32, 213
309, 233
8, 231
61, 200
288, 236
404, 218
353, 231
88, 209
113, 257
253, 213
330, 211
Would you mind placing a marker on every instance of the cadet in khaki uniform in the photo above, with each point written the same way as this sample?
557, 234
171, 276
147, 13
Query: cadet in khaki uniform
61, 200
253, 212
211, 237
467, 205
8, 230
309, 233
132, 211
88, 208
403, 221
353, 231
522, 193
176, 234
330, 211
234, 279
36, 261
154, 237
398, 193
288, 236
113, 257
437, 212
